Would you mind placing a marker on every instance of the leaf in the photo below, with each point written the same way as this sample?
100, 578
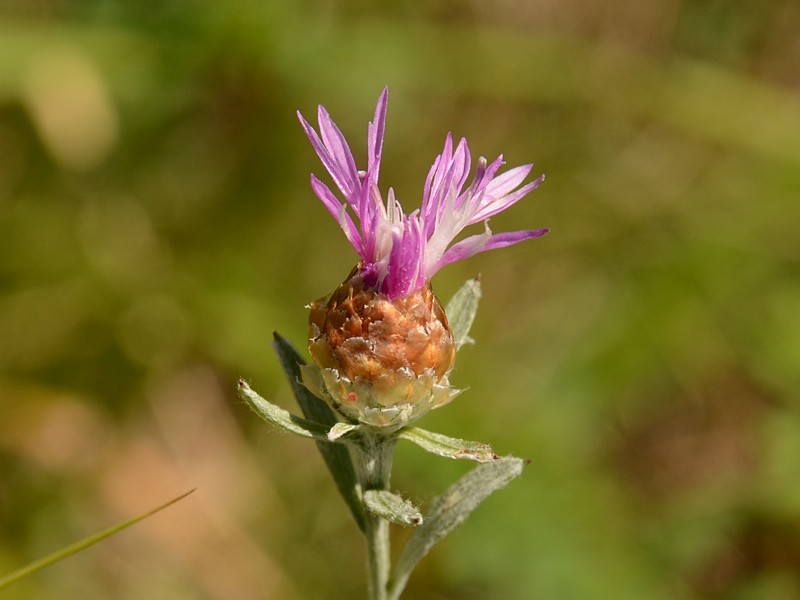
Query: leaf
340, 430
281, 418
449, 510
442, 445
391, 507
337, 458
82, 545
461, 311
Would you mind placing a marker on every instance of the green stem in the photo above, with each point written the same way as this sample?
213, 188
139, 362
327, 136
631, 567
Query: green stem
373, 462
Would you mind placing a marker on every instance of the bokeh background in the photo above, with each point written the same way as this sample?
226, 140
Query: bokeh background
156, 225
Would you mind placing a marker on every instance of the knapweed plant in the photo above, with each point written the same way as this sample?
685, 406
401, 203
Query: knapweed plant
383, 346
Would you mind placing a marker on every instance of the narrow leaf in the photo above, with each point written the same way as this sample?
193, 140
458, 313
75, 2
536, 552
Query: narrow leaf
391, 507
340, 430
337, 458
461, 310
82, 545
279, 417
441, 445
450, 509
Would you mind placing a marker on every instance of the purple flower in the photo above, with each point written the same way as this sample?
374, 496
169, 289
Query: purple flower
399, 252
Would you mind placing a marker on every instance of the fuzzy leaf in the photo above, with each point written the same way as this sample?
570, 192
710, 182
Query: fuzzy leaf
340, 430
336, 457
442, 445
449, 510
279, 417
461, 311
391, 507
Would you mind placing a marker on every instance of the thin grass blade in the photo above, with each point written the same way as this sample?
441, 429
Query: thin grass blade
60, 555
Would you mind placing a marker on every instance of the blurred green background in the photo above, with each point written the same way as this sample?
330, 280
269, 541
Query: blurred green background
156, 225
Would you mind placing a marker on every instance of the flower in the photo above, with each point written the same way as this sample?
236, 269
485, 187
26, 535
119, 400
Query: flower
381, 342
400, 253
381, 361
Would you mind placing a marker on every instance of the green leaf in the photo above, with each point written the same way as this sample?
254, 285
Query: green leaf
82, 545
449, 510
441, 445
281, 418
393, 508
461, 311
336, 457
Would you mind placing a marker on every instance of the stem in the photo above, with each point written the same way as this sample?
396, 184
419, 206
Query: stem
378, 548
373, 463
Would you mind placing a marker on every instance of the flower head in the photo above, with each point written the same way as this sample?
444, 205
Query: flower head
380, 361
381, 342
401, 252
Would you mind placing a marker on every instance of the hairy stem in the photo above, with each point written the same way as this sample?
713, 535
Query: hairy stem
373, 462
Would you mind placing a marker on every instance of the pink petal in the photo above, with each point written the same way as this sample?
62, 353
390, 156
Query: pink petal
430, 196
503, 202
375, 133
339, 212
482, 243
405, 260
508, 181
340, 153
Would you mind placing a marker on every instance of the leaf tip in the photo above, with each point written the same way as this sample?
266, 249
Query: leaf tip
476, 284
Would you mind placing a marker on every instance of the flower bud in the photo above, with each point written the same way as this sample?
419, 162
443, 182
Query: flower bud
382, 361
